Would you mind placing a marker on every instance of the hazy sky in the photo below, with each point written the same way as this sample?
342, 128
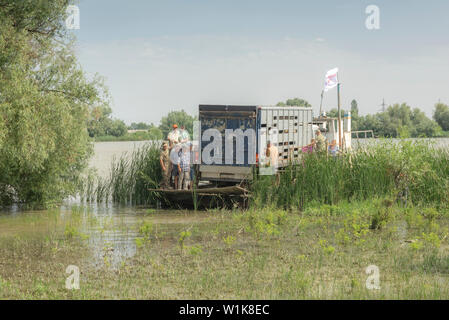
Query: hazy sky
167, 55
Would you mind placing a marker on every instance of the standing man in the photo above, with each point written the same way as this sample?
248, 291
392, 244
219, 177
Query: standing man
173, 136
272, 155
164, 160
184, 168
185, 136
192, 166
175, 154
320, 142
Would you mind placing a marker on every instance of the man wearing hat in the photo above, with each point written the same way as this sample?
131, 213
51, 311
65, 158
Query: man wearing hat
173, 136
165, 162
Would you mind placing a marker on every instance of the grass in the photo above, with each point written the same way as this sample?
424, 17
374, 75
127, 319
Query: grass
319, 253
408, 170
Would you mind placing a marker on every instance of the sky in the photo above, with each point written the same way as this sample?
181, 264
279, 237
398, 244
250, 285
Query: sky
160, 56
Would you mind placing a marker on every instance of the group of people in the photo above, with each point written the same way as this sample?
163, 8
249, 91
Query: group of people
320, 145
177, 155
176, 160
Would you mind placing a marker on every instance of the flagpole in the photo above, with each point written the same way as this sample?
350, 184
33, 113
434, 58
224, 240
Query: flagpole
339, 117
321, 104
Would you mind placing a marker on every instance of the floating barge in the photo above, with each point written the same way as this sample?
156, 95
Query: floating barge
204, 196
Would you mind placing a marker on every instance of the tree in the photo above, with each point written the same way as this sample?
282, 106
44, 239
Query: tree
139, 126
400, 120
115, 127
355, 115
333, 113
155, 134
101, 123
295, 102
45, 100
441, 115
176, 117
354, 108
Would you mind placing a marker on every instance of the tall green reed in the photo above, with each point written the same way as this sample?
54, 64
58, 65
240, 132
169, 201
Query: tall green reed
130, 178
406, 168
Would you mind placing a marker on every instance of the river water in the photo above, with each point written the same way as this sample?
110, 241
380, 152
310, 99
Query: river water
105, 152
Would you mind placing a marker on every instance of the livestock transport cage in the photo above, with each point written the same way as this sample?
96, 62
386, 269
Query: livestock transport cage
288, 128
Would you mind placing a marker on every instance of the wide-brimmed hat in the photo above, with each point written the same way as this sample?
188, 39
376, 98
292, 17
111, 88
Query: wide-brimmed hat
175, 126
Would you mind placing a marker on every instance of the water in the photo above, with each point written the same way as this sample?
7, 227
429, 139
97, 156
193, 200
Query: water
105, 152
110, 231
115, 229
437, 142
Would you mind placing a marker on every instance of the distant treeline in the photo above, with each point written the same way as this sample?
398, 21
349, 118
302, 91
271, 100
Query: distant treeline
398, 120
102, 127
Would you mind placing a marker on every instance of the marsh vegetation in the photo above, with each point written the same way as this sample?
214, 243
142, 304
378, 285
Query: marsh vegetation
312, 235
321, 252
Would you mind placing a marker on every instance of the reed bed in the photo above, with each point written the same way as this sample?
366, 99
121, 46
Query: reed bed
410, 172
129, 179
405, 171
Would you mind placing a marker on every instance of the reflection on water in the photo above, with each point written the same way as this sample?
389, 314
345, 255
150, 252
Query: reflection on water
112, 238
109, 231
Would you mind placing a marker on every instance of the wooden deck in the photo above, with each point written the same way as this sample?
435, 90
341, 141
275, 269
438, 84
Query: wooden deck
205, 196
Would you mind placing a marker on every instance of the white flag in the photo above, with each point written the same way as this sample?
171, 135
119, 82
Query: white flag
331, 79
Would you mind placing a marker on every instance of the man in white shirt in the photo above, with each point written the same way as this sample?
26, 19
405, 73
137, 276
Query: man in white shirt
185, 137
173, 136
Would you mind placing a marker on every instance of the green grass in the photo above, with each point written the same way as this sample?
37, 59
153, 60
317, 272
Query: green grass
319, 253
414, 169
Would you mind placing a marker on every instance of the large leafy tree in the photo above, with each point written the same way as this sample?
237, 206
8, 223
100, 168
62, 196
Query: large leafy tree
181, 118
45, 101
101, 123
441, 115
155, 133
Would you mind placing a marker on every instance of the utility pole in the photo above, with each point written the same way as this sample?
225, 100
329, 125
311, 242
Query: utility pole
383, 105
321, 104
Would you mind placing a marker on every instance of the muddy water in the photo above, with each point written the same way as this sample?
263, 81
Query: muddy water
114, 233
109, 231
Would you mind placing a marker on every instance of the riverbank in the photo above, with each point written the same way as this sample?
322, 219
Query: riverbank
322, 252
136, 136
